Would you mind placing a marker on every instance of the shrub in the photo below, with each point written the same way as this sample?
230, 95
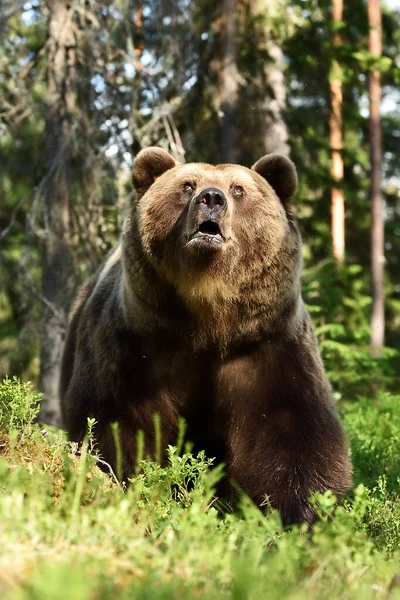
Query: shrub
19, 404
373, 427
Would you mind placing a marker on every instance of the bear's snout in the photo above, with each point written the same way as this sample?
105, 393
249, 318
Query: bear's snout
211, 202
206, 220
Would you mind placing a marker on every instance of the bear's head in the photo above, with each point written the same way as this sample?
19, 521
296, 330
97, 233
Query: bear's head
213, 231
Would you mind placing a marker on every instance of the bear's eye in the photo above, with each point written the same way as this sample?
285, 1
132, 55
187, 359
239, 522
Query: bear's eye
238, 191
188, 187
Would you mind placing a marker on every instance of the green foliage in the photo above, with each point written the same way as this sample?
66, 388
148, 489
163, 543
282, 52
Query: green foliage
189, 478
353, 370
339, 302
373, 426
68, 532
19, 404
378, 515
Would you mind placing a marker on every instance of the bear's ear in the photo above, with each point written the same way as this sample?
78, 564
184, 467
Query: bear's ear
150, 164
280, 173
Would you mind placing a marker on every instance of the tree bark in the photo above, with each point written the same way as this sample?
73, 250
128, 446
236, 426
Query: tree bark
336, 144
229, 81
270, 97
377, 222
56, 190
275, 132
224, 78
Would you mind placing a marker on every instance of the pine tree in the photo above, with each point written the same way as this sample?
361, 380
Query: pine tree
377, 223
336, 141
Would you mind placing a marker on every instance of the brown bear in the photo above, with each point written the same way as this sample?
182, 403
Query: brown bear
198, 313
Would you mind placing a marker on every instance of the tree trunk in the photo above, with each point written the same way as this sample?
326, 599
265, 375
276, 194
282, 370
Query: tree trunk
377, 224
229, 81
224, 78
270, 87
336, 143
56, 262
275, 132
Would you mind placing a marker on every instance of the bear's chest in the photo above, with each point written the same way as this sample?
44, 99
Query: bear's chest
204, 388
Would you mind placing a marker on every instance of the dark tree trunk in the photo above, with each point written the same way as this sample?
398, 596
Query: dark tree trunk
56, 262
224, 79
336, 143
377, 223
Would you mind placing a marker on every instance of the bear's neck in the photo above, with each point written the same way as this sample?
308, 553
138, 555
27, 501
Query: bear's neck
204, 317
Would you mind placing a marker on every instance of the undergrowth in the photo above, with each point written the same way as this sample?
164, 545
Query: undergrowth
69, 531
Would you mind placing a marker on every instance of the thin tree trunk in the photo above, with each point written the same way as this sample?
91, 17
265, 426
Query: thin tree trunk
336, 144
229, 81
57, 263
377, 224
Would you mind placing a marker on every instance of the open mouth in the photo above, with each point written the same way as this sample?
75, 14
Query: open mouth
210, 227
208, 232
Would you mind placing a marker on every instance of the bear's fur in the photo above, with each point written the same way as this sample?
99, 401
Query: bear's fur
198, 313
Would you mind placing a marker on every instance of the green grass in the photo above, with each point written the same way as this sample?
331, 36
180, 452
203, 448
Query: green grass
68, 531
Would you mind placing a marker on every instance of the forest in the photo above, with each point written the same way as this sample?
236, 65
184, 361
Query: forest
84, 86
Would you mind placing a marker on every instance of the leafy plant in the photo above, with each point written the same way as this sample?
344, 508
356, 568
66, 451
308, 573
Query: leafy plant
338, 299
19, 404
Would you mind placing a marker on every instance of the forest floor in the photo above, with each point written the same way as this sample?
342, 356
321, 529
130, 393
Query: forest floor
68, 531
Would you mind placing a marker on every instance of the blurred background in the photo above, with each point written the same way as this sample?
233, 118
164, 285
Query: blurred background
84, 85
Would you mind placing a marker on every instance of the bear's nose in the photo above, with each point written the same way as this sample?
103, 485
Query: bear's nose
213, 198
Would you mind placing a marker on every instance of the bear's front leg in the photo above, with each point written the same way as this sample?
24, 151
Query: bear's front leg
287, 454
285, 439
